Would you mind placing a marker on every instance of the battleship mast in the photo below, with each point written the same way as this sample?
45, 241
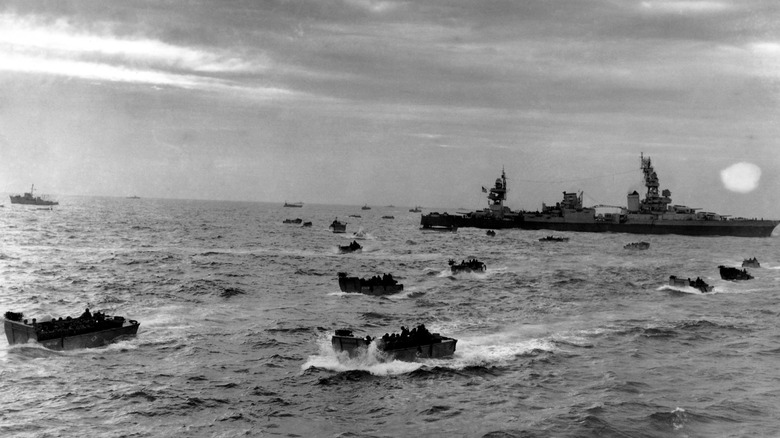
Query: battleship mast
653, 202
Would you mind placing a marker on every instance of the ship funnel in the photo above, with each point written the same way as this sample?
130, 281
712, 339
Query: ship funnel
633, 202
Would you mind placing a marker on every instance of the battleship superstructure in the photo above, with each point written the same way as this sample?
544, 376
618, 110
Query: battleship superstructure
495, 216
652, 215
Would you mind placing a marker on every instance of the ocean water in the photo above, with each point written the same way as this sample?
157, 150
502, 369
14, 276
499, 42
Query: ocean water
574, 339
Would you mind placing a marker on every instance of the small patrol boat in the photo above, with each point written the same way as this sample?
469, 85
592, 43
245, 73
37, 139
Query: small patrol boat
29, 199
338, 227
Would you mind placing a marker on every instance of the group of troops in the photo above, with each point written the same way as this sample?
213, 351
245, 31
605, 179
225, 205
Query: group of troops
376, 280
408, 338
86, 323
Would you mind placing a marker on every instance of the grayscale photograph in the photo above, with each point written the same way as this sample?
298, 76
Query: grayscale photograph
389, 218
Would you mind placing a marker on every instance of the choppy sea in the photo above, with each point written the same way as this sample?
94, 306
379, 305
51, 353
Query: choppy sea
571, 339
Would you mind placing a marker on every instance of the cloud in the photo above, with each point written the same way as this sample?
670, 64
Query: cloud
375, 6
683, 7
741, 177
95, 71
27, 35
30, 45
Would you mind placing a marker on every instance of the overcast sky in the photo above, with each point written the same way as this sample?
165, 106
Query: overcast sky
393, 102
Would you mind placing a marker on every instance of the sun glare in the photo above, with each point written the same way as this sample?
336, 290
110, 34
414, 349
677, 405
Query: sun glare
741, 177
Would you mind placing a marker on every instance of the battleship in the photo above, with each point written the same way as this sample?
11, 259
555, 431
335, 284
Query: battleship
654, 214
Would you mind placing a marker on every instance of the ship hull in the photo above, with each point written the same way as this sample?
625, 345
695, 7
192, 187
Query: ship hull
353, 285
444, 347
685, 228
736, 228
338, 227
447, 222
18, 199
19, 333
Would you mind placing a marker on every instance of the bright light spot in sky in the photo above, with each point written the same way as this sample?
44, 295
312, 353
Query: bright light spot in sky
679, 7
741, 177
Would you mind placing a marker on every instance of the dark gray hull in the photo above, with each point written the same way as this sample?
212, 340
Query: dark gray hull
352, 284
686, 228
19, 199
20, 333
736, 228
449, 222
444, 347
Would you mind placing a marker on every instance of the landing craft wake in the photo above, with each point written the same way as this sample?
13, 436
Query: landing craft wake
651, 215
